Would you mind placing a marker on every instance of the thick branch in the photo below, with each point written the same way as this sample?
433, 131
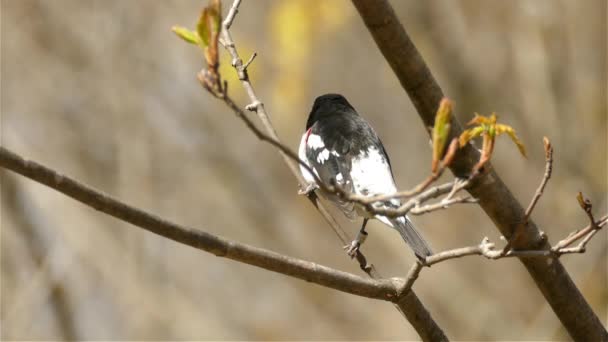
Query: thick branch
378, 289
494, 197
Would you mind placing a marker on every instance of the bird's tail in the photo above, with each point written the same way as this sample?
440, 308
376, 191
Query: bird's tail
411, 236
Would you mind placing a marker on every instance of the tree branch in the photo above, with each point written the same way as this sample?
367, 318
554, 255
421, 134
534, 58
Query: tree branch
384, 289
486, 248
494, 196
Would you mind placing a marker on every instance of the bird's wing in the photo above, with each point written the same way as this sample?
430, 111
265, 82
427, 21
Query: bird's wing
331, 163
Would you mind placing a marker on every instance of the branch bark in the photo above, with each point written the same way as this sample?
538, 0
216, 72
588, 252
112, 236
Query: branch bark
494, 196
384, 289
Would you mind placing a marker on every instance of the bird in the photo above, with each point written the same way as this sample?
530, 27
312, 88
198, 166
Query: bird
342, 149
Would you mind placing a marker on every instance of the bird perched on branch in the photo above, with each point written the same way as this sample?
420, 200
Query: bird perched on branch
344, 150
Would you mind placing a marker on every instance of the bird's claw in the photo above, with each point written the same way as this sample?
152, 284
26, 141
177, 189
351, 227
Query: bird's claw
352, 248
308, 189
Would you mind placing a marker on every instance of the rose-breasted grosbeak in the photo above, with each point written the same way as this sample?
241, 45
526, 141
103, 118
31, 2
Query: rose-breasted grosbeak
343, 149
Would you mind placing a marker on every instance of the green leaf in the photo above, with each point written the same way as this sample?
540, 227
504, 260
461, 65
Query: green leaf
187, 35
469, 134
500, 128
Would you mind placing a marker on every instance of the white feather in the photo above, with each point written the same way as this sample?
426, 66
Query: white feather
302, 154
322, 156
314, 141
371, 174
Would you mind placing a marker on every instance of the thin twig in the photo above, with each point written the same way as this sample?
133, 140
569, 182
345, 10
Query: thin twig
443, 204
414, 202
234, 9
518, 232
253, 56
413, 274
486, 248
546, 176
577, 235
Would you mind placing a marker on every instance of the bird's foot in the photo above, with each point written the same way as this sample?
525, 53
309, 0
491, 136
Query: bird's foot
308, 189
353, 247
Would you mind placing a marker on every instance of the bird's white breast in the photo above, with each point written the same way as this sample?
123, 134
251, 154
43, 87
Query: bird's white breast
302, 155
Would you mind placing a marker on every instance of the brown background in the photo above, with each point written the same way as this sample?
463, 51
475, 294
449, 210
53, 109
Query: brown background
104, 92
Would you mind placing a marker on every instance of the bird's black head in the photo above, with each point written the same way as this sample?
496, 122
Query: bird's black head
327, 105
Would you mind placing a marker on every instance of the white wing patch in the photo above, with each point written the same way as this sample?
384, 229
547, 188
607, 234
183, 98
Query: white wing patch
371, 174
324, 155
314, 141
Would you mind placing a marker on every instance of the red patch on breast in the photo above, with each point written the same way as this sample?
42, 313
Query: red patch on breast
308, 134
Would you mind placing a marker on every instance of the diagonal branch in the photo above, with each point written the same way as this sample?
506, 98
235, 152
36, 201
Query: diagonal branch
494, 196
384, 289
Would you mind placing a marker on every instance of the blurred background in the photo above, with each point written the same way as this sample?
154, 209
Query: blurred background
103, 91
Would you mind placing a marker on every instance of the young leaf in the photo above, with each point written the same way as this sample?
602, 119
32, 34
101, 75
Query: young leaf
487, 127
441, 131
187, 35
476, 120
470, 134
500, 128
581, 200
